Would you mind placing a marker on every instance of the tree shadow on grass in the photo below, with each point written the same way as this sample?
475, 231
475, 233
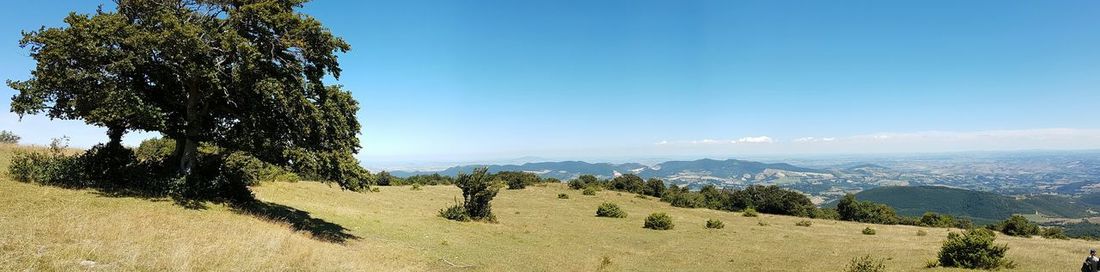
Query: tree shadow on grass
299, 220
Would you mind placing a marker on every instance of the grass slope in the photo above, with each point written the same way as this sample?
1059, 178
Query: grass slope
49, 228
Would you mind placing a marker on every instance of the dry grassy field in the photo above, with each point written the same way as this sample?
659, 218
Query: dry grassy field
315, 227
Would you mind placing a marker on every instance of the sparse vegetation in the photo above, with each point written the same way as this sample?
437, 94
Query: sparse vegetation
749, 212
868, 231
1054, 233
608, 209
1017, 225
563, 196
715, 224
866, 263
804, 223
477, 192
922, 233
589, 191
973, 249
659, 221
8, 137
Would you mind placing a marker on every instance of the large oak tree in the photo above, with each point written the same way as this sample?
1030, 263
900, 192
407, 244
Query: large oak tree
243, 75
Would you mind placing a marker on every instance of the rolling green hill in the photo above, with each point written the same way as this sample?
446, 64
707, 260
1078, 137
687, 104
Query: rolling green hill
982, 207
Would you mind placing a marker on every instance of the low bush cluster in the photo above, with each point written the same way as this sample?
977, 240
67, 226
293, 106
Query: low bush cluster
715, 224
477, 191
608, 209
804, 223
868, 231
973, 249
1017, 225
658, 221
563, 196
750, 212
866, 263
589, 191
8, 137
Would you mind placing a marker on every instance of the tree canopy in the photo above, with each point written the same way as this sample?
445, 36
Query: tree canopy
243, 75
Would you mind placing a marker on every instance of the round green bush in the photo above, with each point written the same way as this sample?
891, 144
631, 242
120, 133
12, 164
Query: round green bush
608, 209
715, 224
750, 212
589, 191
869, 231
456, 213
866, 264
973, 249
658, 221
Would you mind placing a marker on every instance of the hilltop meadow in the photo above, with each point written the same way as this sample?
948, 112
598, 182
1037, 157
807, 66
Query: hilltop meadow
313, 226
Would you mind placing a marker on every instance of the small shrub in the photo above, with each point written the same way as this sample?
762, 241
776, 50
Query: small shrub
973, 249
1054, 233
455, 212
715, 224
563, 196
1018, 225
641, 196
869, 231
375, 190
605, 263
658, 221
477, 192
922, 233
762, 223
804, 223
750, 212
8, 137
866, 264
608, 209
415, 187
516, 184
589, 191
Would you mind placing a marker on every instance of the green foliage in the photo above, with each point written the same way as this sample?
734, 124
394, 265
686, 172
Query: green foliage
608, 209
155, 150
627, 183
931, 219
804, 223
824, 213
583, 181
868, 231
250, 79
1054, 233
563, 196
250, 171
866, 264
8, 137
973, 249
455, 212
749, 212
384, 178
981, 207
433, 179
517, 180
684, 199
477, 191
655, 187
715, 224
1018, 225
769, 199
1083, 230
589, 191
659, 221
851, 209
51, 168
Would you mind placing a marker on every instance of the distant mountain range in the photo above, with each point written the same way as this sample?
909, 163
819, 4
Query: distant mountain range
721, 171
982, 207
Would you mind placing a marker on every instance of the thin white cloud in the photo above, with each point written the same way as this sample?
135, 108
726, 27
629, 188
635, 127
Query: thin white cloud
756, 140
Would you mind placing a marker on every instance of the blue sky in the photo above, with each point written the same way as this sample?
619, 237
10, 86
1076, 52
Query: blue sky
485, 80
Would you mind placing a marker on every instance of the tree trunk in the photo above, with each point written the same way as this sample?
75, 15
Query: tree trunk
186, 145
186, 154
115, 134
